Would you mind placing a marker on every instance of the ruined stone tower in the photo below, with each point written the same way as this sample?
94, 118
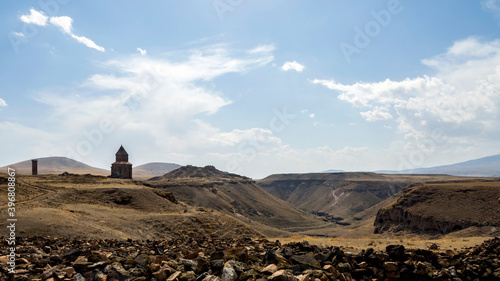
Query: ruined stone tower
121, 169
34, 166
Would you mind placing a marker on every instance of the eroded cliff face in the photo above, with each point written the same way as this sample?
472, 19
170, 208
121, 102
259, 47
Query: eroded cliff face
335, 197
442, 208
397, 219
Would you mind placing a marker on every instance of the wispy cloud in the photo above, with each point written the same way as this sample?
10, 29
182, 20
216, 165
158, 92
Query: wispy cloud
292, 65
164, 101
2, 103
20, 34
493, 5
263, 49
64, 23
142, 51
462, 99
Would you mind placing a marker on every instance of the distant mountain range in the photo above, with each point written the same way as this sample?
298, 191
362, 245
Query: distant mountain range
483, 167
333, 171
58, 165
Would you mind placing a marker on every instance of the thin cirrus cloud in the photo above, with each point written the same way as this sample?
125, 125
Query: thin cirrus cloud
292, 65
64, 23
2, 103
164, 101
142, 51
493, 5
20, 34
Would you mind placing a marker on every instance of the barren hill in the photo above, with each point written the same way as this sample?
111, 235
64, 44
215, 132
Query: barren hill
57, 165
233, 194
195, 174
154, 169
444, 207
99, 207
338, 196
483, 167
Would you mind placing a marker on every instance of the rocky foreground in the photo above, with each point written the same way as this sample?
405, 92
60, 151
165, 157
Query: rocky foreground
242, 259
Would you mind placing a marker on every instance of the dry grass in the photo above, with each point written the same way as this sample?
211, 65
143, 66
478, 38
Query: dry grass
99, 207
356, 245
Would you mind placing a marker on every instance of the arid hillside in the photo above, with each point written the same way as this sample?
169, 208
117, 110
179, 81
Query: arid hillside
444, 207
235, 195
339, 197
100, 207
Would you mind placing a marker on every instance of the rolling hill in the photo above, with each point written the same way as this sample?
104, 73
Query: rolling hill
56, 165
235, 195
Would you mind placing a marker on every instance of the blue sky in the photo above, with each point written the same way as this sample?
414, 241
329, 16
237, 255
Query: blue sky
252, 87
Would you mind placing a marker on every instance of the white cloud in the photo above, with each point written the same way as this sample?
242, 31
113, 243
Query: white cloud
20, 34
493, 5
292, 65
462, 99
377, 114
258, 137
141, 51
164, 102
64, 23
27, 142
35, 17
312, 115
262, 49
2, 103
87, 42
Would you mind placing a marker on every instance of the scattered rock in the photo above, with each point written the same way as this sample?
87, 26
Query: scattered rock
391, 266
307, 260
228, 273
242, 259
270, 269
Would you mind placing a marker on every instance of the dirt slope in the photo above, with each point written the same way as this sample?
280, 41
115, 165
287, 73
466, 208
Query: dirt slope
100, 207
233, 194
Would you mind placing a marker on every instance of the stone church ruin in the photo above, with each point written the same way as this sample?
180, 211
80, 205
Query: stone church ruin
121, 168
